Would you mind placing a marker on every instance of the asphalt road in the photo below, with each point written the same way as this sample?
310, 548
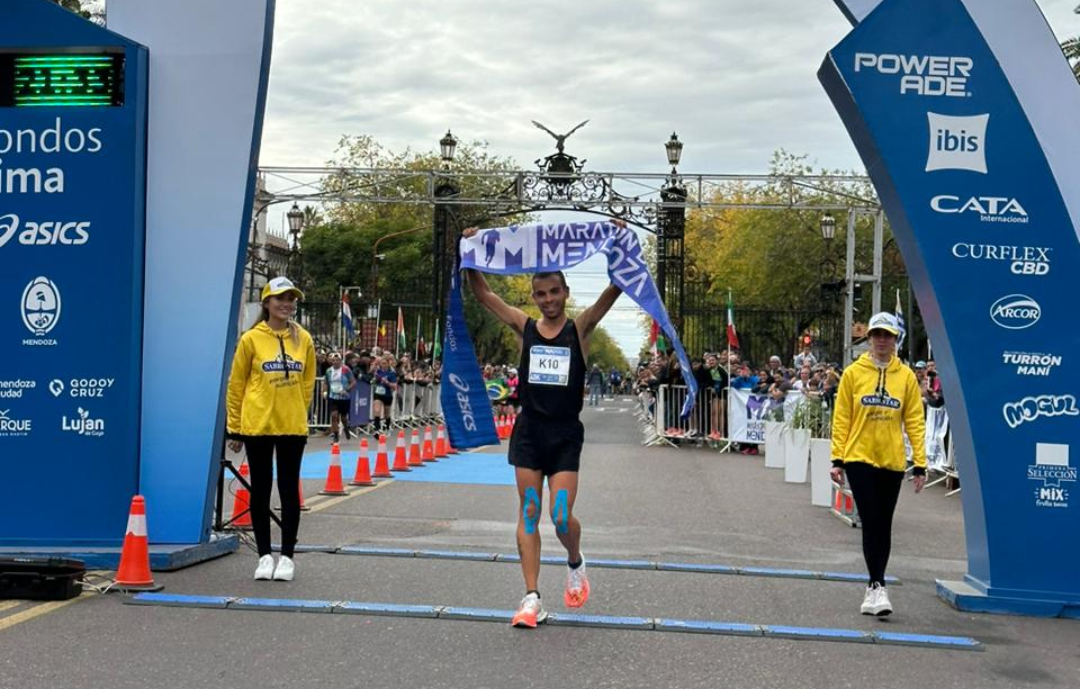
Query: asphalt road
686, 505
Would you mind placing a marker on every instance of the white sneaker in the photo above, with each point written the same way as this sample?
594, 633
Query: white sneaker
530, 613
577, 586
265, 570
869, 601
884, 606
285, 569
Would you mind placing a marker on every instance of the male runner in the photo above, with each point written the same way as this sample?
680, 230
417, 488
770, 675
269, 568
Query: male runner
547, 438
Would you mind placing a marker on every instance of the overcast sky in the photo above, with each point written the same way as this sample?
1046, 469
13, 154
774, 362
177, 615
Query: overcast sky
735, 78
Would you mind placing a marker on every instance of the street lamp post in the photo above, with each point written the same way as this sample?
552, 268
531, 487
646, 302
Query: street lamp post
671, 226
444, 237
295, 217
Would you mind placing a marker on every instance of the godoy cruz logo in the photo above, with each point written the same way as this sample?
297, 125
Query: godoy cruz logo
1015, 312
1031, 408
957, 143
924, 75
462, 397
43, 233
41, 306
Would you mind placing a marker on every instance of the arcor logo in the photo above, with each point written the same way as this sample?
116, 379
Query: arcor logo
1016, 312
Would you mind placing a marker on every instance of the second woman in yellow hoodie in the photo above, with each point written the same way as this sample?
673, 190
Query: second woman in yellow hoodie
877, 401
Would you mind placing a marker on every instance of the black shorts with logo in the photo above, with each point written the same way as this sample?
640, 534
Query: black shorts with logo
547, 445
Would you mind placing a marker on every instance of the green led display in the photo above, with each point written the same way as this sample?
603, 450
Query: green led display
61, 80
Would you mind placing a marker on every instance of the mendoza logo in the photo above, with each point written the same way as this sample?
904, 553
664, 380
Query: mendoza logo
40, 309
988, 208
44, 233
923, 75
1015, 312
13, 389
957, 143
1022, 260
83, 424
1031, 408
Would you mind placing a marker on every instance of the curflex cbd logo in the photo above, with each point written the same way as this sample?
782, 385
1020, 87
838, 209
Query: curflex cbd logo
923, 75
1031, 408
1015, 312
1022, 260
996, 209
957, 143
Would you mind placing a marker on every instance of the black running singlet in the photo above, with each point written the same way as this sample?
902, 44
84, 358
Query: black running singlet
551, 376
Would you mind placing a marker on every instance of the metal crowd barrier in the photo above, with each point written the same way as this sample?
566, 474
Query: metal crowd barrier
704, 425
413, 406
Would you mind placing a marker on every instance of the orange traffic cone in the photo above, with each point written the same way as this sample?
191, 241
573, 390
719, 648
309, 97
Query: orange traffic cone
133, 574
415, 459
427, 454
382, 465
334, 486
450, 449
241, 512
362, 477
400, 462
440, 443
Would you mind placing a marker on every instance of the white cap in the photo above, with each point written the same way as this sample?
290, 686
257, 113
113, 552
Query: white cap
884, 321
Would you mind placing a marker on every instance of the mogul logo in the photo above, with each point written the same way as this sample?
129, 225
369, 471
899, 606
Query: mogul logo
994, 209
13, 428
462, 397
43, 233
1031, 364
1022, 260
83, 424
14, 389
923, 75
1051, 469
40, 310
1015, 312
957, 143
1031, 408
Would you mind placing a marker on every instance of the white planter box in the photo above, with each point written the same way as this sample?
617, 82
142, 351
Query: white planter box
820, 465
796, 454
774, 444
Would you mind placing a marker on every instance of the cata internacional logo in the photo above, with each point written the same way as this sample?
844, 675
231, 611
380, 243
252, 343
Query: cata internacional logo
41, 306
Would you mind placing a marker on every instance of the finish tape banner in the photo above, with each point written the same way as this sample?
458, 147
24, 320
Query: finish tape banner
538, 248
958, 111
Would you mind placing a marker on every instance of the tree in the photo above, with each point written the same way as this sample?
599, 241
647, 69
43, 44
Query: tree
1072, 50
93, 10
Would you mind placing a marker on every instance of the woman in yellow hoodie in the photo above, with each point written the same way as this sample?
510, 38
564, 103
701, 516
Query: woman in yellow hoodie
270, 391
878, 398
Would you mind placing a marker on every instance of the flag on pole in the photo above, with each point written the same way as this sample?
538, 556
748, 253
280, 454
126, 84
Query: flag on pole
400, 333
732, 334
437, 344
900, 322
419, 340
656, 339
346, 316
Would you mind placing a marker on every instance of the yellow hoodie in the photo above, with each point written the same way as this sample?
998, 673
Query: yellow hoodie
871, 405
271, 383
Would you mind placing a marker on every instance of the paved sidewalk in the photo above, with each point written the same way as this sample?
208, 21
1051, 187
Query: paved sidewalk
654, 504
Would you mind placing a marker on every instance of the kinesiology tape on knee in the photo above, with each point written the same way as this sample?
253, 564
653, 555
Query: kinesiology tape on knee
532, 499
559, 514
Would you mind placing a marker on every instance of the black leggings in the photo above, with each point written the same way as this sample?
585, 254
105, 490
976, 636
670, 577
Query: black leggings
260, 454
875, 491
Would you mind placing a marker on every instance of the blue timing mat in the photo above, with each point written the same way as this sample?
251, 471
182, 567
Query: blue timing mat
468, 467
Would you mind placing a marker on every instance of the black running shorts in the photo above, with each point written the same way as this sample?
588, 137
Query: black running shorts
340, 406
547, 445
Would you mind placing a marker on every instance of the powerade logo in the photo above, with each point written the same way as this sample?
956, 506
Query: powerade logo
922, 75
1022, 260
43, 233
988, 208
1031, 364
1031, 408
957, 143
462, 397
1015, 312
